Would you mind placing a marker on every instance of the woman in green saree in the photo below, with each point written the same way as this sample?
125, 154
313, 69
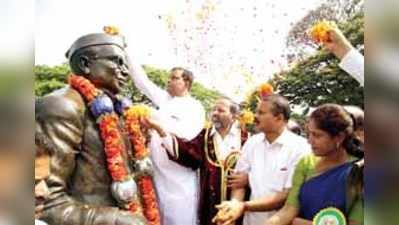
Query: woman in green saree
331, 177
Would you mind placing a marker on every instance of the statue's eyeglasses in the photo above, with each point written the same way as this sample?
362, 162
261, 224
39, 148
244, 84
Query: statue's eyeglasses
116, 59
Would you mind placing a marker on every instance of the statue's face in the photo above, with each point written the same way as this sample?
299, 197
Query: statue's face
108, 68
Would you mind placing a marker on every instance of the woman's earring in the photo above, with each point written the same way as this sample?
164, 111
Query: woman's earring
337, 146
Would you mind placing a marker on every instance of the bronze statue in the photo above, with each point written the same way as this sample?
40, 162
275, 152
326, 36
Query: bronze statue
81, 190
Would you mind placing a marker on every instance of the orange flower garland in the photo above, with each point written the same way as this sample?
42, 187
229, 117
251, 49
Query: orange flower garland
114, 147
84, 86
136, 137
145, 182
150, 203
109, 130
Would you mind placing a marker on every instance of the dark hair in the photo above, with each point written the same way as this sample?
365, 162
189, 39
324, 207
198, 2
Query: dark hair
234, 107
357, 115
187, 75
334, 119
280, 105
294, 127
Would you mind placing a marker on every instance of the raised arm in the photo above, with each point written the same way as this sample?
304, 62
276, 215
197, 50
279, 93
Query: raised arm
352, 61
156, 94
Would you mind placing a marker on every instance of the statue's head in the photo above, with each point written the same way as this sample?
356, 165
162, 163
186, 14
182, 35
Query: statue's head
101, 58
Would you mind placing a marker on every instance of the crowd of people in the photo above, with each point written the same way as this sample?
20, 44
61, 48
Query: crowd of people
203, 175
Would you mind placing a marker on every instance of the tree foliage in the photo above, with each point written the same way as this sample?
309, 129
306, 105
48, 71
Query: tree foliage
298, 41
318, 79
48, 79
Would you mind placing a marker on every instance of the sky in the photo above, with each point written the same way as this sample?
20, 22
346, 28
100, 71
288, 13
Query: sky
231, 46
17, 27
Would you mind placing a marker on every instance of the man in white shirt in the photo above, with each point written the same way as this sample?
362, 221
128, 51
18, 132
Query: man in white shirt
351, 59
214, 152
269, 158
184, 116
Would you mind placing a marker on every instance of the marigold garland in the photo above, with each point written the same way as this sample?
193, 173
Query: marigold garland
114, 147
136, 137
145, 183
84, 86
149, 200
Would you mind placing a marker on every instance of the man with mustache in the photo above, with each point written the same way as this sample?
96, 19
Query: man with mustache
269, 158
214, 152
184, 116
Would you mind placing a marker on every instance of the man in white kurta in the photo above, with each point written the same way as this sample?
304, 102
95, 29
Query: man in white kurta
184, 116
208, 152
269, 158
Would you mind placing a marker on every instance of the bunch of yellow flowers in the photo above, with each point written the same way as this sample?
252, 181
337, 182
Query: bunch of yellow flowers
139, 111
247, 117
319, 31
111, 30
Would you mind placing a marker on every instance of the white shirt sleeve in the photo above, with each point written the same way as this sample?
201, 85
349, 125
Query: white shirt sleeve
167, 143
40, 222
353, 64
291, 171
305, 150
243, 163
156, 94
189, 121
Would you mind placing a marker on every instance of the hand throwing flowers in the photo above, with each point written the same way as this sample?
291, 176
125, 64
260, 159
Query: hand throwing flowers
320, 31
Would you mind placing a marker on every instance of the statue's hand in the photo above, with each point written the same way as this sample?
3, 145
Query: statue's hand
124, 191
144, 166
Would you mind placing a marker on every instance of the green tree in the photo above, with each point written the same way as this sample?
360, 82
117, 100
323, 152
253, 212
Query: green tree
298, 42
48, 79
318, 79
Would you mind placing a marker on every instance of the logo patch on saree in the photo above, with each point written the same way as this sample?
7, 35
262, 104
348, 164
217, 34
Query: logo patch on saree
329, 216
